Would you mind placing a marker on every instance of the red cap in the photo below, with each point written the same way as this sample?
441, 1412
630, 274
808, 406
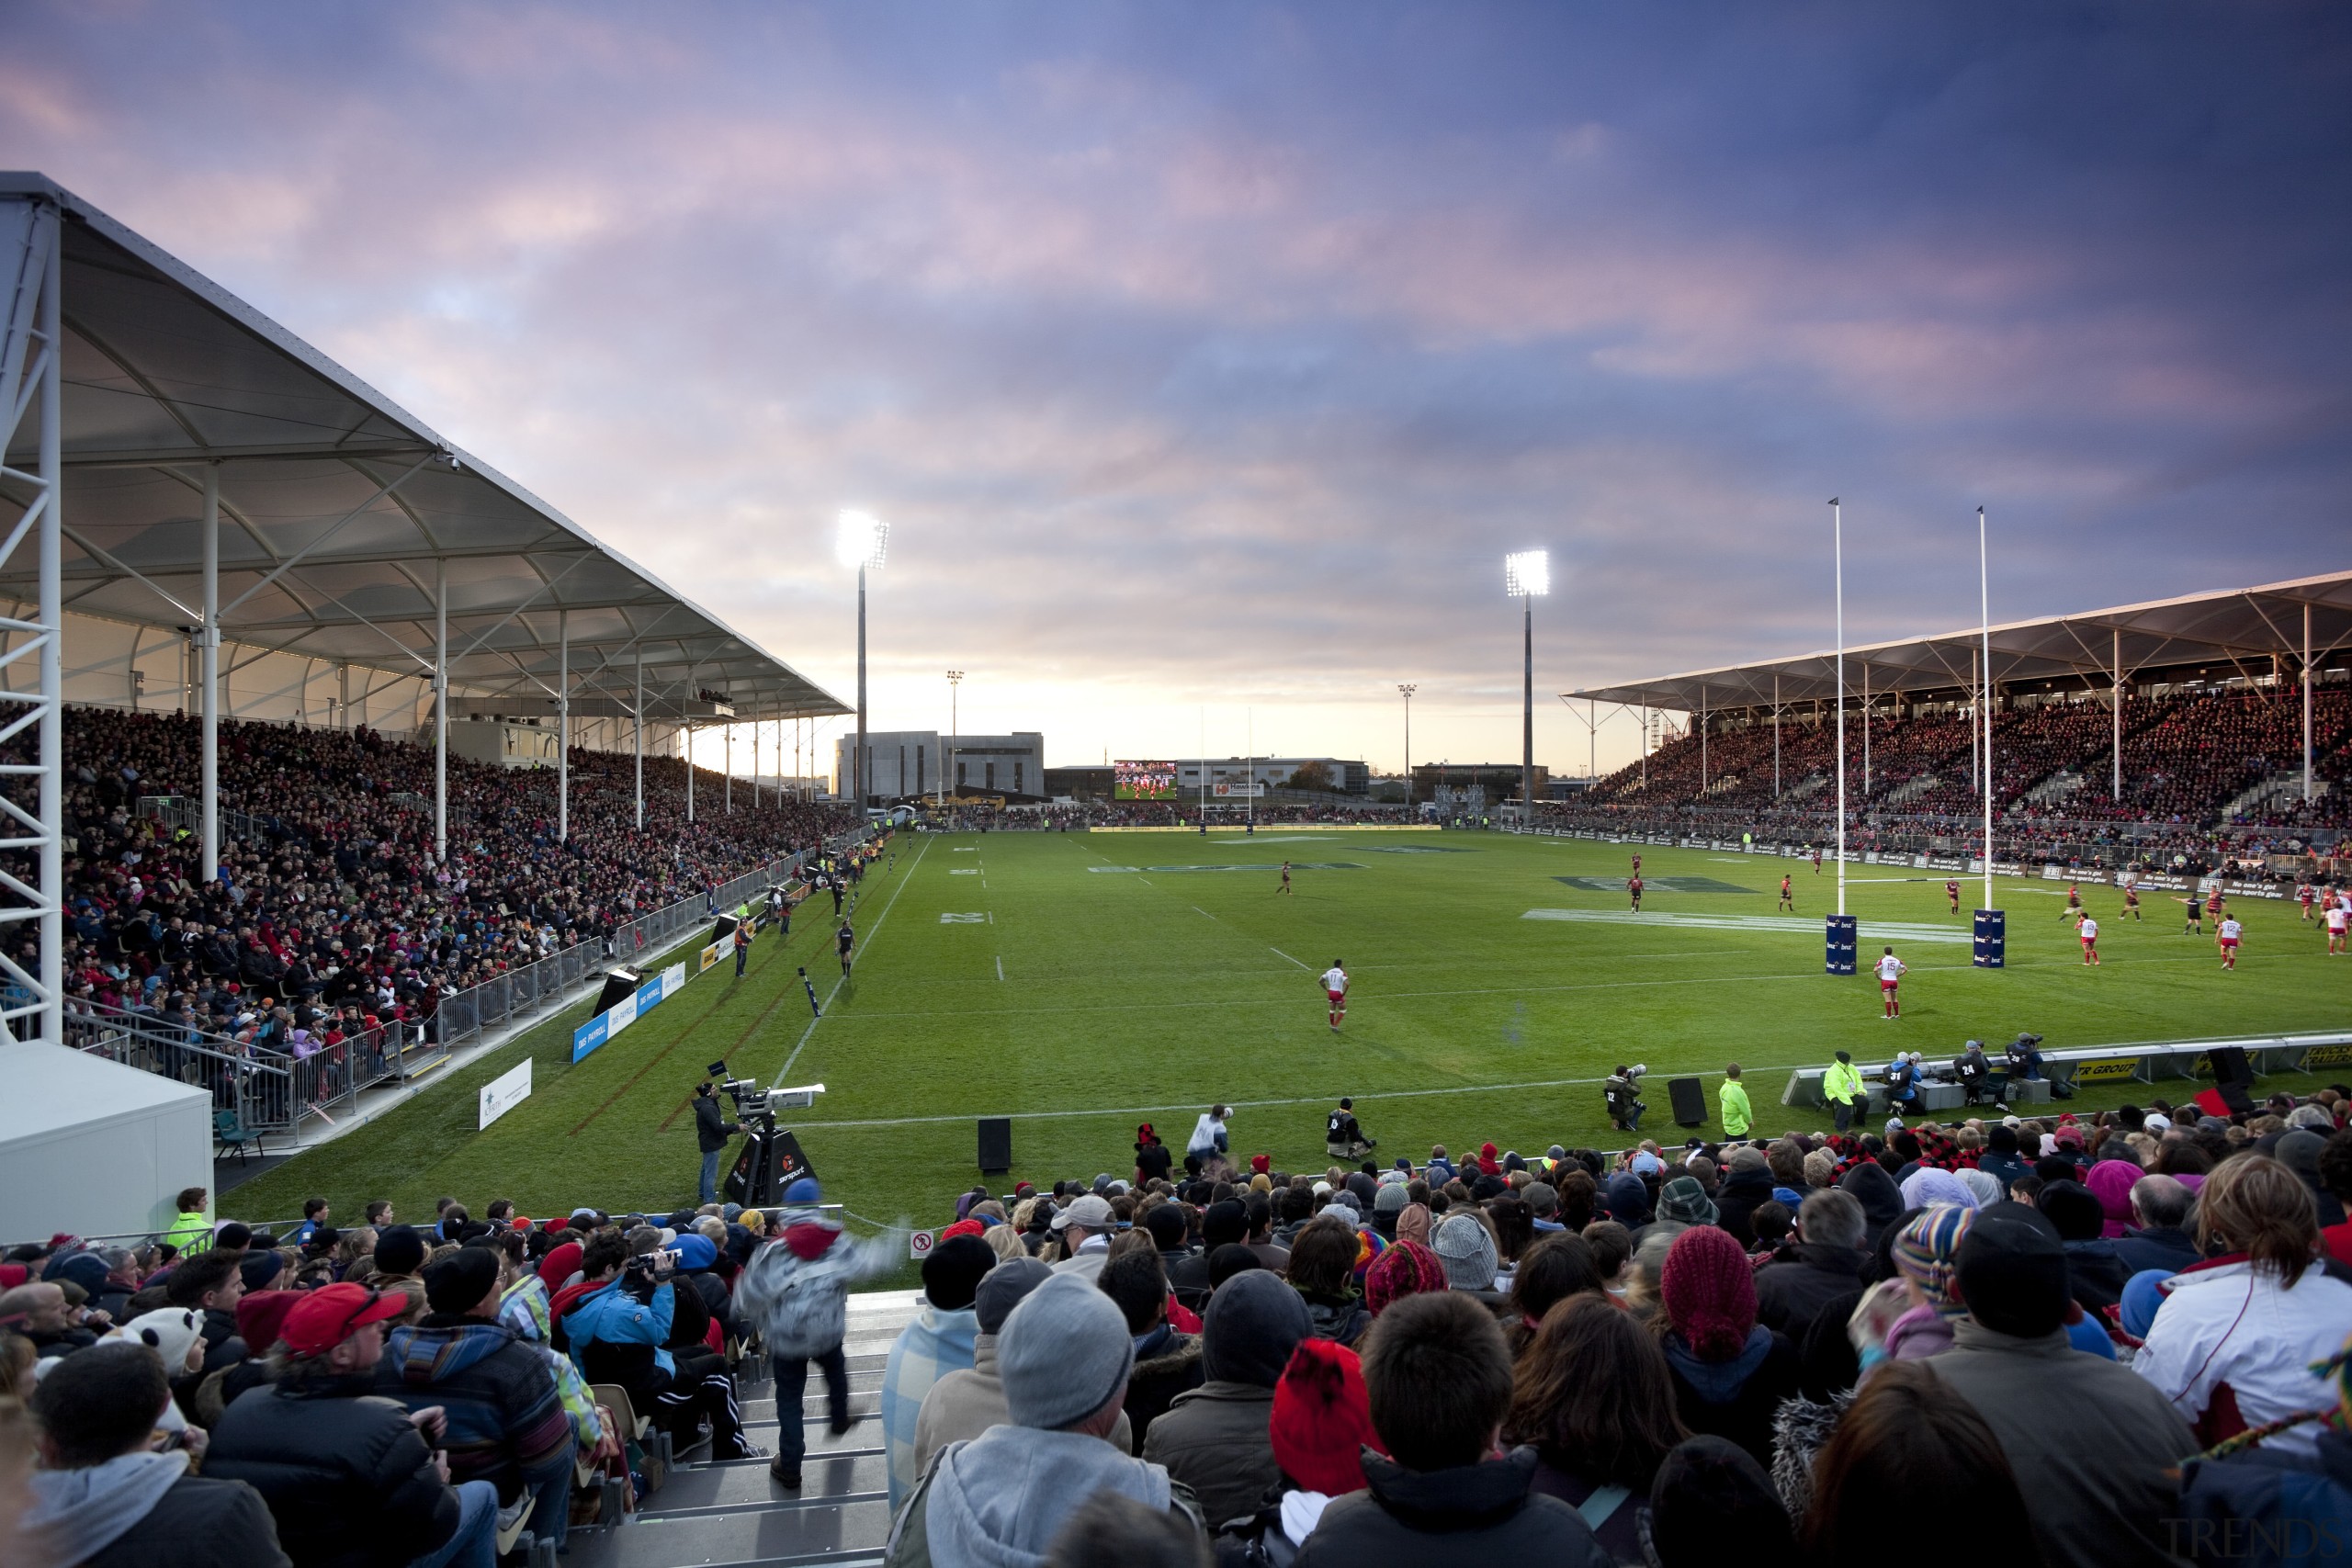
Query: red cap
963, 1227
331, 1315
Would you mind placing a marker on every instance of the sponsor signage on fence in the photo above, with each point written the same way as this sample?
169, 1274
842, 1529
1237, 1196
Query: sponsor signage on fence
504, 1092
2107, 1069
628, 1010
2326, 1057
709, 956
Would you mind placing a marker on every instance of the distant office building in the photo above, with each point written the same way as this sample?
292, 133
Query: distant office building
904, 763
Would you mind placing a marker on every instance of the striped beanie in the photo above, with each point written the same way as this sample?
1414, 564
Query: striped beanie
1927, 1253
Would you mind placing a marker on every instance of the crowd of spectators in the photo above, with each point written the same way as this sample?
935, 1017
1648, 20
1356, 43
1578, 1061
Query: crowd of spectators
2129, 1327
331, 917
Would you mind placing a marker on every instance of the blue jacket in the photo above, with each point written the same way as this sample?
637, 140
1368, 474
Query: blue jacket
615, 1316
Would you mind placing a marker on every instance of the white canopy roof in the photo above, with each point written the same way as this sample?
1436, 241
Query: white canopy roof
336, 508
2229, 632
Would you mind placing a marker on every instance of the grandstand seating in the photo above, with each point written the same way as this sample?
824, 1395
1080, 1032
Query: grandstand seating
334, 909
2188, 757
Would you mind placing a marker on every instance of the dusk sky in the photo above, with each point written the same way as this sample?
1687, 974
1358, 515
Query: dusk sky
1214, 355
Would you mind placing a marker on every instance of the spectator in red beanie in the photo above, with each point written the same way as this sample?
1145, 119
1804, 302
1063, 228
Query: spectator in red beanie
1730, 1372
1405, 1268
1321, 1427
1488, 1164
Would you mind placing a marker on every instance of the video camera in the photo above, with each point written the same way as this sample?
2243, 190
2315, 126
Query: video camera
771, 1158
750, 1100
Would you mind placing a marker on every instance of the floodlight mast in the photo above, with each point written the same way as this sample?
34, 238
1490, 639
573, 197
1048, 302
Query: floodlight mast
955, 687
863, 541
1409, 688
1527, 574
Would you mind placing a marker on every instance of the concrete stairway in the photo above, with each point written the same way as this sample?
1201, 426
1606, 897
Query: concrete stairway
729, 1514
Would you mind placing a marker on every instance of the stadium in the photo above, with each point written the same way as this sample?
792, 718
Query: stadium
381, 949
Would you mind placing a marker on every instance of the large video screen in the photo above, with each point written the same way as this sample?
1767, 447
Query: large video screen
1143, 781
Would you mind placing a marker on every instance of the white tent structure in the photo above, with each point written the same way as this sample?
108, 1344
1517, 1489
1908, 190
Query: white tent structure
94, 1147
182, 473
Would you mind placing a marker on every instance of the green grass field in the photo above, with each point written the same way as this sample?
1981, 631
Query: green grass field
1081, 983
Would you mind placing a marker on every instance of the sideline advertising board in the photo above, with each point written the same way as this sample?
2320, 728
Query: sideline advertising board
504, 1092
601, 1029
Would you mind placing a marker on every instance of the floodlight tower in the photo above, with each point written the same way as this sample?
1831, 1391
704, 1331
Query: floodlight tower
955, 731
862, 542
1527, 574
1407, 689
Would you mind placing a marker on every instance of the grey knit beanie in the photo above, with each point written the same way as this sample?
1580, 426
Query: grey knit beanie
1063, 1353
1391, 1199
1462, 1244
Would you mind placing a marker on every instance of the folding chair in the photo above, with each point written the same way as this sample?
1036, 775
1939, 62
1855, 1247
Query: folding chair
650, 1440
230, 1132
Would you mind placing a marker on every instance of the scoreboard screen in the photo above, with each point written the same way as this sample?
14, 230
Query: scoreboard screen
1143, 781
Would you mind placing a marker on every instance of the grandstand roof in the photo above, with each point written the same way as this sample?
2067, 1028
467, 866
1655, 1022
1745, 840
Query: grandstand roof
2234, 631
336, 507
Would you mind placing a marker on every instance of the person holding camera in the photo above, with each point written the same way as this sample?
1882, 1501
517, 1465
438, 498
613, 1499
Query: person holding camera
711, 1132
1618, 1092
626, 1323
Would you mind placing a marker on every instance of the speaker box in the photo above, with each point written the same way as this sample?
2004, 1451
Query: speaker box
2230, 1064
996, 1144
1690, 1098
723, 928
619, 982
2238, 1097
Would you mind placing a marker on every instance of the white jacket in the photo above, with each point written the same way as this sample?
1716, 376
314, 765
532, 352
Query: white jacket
2233, 1327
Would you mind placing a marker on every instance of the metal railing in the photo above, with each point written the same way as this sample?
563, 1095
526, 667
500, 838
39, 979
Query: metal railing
178, 811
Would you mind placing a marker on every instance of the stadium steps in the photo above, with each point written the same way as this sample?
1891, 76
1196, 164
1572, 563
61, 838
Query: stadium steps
731, 1515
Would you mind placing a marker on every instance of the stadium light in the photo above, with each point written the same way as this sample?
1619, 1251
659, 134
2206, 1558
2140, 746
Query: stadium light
1528, 574
1407, 689
1527, 577
954, 732
862, 541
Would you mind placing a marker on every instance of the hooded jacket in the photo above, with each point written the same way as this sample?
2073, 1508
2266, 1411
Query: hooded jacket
505, 1423
1733, 1400
349, 1479
1473, 1516
139, 1510
1791, 1293
1000, 1500
1167, 1364
937, 1342
797, 1288
1743, 1191
962, 1404
1881, 1199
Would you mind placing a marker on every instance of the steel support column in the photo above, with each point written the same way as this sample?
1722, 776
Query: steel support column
563, 726
637, 726
2115, 787
209, 643
2307, 702
441, 710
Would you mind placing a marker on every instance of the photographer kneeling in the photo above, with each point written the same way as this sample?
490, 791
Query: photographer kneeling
629, 1325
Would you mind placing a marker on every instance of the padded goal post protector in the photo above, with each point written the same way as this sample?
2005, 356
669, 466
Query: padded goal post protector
1991, 946
1690, 1099
1840, 938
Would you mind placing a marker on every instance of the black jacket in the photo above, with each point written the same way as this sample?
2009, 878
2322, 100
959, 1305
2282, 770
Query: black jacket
2159, 1246
350, 1479
711, 1131
1173, 1367
1476, 1516
1789, 1296
202, 1522
1739, 1196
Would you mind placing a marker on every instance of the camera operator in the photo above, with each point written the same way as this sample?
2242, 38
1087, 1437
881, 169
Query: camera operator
1620, 1092
2025, 1058
627, 1324
1343, 1135
711, 1132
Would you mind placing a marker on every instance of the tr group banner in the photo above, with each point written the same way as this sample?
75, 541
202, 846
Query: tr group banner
597, 1030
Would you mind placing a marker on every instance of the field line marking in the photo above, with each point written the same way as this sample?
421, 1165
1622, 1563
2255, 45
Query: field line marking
784, 1071
1496, 990
1278, 952
999, 965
